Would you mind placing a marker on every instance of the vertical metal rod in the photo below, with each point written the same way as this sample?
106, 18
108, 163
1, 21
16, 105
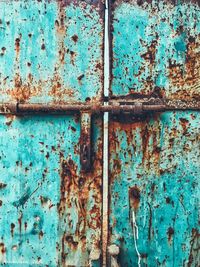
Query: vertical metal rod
105, 138
85, 141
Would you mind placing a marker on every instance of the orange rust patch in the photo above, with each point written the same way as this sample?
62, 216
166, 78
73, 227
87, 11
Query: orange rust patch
187, 76
80, 195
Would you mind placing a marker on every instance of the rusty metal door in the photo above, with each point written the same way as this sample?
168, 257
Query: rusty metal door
50, 203
154, 156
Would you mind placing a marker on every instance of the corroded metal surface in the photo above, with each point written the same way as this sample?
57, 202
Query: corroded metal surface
154, 174
113, 106
50, 210
51, 51
155, 46
154, 158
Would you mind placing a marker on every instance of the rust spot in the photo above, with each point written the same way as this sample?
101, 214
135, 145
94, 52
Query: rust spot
1, 203
72, 57
150, 55
23, 92
184, 123
17, 45
12, 227
134, 197
41, 234
170, 233
2, 248
71, 243
44, 200
80, 78
2, 185
43, 46
194, 247
25, 226
20, 222
75, 38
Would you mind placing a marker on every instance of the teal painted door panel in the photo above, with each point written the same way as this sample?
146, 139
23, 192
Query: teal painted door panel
155, 47
50, 210
154, 161
51, 51
154, 179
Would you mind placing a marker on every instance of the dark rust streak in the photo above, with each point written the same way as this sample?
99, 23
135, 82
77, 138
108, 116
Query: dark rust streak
150, 222
194, 248
12, 227
2, 248
170, 233
134, 197
20, 222
2, 185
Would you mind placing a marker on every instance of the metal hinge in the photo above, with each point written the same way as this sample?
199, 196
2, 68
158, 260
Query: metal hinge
115, 106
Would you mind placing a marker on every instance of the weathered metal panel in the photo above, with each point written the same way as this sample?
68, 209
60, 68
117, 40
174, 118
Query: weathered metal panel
51, 51
155, 48
154, 176
50, 210
154, 159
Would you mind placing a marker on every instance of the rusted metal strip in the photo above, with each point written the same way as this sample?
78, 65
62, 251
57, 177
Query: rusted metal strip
85, 141
113, 107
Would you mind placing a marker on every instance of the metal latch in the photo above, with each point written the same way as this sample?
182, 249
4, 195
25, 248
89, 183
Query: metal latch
85, 141
114, 106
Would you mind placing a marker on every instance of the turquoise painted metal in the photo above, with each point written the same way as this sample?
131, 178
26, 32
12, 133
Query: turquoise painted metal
51, 51
155, 44
154, 176
50, 210
154, 159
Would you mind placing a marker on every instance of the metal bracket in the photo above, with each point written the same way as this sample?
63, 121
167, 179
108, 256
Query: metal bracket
85, 141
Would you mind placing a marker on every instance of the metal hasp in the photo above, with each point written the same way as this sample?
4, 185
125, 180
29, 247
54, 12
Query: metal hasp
85, 141
135, 106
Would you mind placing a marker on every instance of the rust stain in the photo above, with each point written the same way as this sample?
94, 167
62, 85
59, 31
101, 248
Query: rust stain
148, 133
134, 197
184, 123
17, 45
2, 248
75, 38
194, 247
76, 188
170, 233
12, 227
20, 222
2, 185
187, 75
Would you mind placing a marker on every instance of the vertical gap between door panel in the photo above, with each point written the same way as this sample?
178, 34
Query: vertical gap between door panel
105, 138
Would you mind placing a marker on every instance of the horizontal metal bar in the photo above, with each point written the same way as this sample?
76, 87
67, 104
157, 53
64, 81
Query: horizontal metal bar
132, 107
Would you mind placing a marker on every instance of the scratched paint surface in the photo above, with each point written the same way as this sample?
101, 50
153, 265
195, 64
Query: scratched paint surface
51, 51
154, 172
155, 44
50, 211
